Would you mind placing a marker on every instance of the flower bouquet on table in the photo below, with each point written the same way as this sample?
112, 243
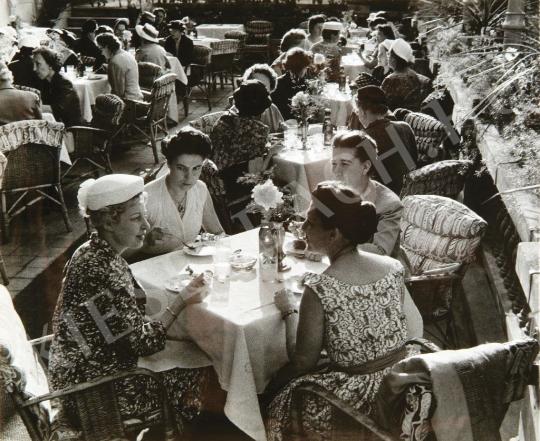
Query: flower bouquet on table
305, 107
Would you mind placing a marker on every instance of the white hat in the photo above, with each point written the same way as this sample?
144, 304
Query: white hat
403, 50
387, 43
95, 194
332, 26
147, 32
29, 41
185, 20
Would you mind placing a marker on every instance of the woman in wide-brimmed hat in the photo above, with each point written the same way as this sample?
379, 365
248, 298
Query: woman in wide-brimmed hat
150, 51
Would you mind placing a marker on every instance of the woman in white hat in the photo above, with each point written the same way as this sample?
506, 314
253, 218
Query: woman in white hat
330, 37
150, 51
122, 69
99, 323
404, 88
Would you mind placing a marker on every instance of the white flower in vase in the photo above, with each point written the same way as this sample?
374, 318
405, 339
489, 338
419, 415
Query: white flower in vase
267, 195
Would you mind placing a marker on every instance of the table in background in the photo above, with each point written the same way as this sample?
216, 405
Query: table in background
217, 30
88, 90
176, 68
340, 104
237, 326
302, 170
353, 65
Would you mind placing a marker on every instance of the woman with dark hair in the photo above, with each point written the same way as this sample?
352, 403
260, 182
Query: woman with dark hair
58, 43
358, 310
104, 304
404, 88
179, 203
315, 24
352, 163
86, 45
330, 37
292, 38
122, 69
296, 63
379, 59
56, 91
265, 74
121, 32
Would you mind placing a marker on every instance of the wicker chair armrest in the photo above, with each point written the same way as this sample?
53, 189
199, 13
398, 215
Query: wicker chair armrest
426, 345
433, 277
346, 408
40, 340
90, 384
138, 103
147, 95
87, 129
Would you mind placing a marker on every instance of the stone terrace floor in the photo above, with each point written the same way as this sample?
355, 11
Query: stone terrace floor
40, 247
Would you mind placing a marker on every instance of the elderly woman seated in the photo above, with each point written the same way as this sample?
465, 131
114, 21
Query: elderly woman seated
292, 38
57, 91
179, 204
16, 105
404, 88
100, 294
296, 64
358, 310
351, 164
262, 72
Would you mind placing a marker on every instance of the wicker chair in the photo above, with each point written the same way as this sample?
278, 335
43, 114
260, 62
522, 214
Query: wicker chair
439, 238
93, 144
409, 395
439, 99
258, 38
148, 73
29, 89
199, 77
241, 37
25, 396
206, 122
222, 61
155, 118
429, 133
3, 272
33, 151
443, 178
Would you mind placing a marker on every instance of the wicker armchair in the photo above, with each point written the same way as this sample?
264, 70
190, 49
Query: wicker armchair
148, 73
222, 61
443, 178
206, 122
258, 38
33, 151
25, 396
241, 37
429, 133
439, 238
29, 89
155, 118
409, 395
199, 77
92, 145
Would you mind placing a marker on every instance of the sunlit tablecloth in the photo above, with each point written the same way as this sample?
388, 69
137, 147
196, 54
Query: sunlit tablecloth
207, 42
67, 143
88, 90
217, 30
340, 104
176, 68
353, 65
238, 327
303, 170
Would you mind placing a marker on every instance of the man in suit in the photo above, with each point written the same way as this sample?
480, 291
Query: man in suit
179, 44
17, 104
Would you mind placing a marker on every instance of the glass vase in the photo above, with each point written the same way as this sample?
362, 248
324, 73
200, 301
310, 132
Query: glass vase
303, 128
279, 234
268, 252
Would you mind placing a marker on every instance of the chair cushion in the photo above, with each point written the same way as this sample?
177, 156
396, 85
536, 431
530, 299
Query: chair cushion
20, 370
436, 230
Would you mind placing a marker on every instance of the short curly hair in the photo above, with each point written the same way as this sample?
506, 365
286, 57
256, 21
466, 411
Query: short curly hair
51, 57
262, 69
314, 20
188, 141
110, 41
292, 38
297, 59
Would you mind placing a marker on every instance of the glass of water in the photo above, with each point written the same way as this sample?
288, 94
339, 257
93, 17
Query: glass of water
222, 257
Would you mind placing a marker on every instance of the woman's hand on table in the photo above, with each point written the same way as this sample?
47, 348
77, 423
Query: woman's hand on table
197, 290
285, 300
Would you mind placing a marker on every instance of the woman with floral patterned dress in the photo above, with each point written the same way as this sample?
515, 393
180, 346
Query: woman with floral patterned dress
358, 310
99, 324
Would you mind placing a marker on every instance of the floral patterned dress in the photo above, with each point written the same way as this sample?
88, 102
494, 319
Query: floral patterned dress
100, 329
361, 323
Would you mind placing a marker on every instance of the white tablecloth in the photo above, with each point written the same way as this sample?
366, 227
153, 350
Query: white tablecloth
303, 170
340, 103
88, 90
237, 326
217, 30
176, 68
353, 65
68, 140
205, 41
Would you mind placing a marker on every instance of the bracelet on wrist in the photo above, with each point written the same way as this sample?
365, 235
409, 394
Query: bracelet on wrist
170, 311
288, 313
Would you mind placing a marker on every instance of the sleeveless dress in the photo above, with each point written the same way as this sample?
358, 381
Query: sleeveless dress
361, 323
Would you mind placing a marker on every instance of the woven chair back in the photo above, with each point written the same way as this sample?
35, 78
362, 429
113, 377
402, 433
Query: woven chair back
443, 178
206, 122
33, 151
29, 89
108, 111
162, 90
436, 230
148, 73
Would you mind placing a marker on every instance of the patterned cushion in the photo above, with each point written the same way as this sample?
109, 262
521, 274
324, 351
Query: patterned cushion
436, 230
429, 134
108, 111
419, 408
36, 131
364, 79
443, 178
206, 122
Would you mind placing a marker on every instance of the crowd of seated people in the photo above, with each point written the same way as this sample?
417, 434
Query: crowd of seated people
361, 234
